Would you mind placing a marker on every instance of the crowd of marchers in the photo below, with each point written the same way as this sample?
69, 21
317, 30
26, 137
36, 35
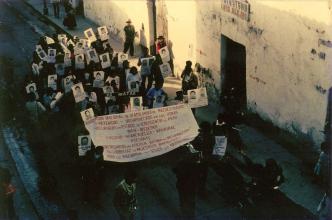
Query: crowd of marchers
69, 72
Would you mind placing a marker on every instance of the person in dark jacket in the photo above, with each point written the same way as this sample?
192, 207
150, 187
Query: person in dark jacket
186, 184
130, 34
70, 21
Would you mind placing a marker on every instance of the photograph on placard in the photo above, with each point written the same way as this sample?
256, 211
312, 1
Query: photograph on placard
51, 55
32, 87
52, 81
113, 81
105, 60
197, 97
122, 57
145, 67
220, 146
133, 86
43, 56
67, 59
78, 92
109, 93
87, 114
88, 33
85, 44
92, 56
68, 83
159, 101
62, 38
79, 61
136, 103
164, 54
60, 69
84, 144
165, 69
99, 75
103, 33
79, 48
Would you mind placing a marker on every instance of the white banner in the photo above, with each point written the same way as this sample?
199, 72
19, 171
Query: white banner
143, 134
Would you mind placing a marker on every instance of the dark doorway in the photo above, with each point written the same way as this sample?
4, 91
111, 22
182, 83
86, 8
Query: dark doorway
233, 63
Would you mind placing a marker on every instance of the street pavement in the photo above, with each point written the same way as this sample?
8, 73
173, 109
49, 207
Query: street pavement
157, 193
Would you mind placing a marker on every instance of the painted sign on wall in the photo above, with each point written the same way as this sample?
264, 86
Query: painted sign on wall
240, 8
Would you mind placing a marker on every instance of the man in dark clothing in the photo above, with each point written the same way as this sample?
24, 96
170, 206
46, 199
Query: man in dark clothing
130, 33
204, 142
189, 79
186, 184
155, 70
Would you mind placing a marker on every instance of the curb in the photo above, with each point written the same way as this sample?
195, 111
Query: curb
25, 165
49, 21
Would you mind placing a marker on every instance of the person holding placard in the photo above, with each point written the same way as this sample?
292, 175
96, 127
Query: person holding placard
154, 93
189, 79
34, 108
130, 34
161, 42
133, 76
144, 63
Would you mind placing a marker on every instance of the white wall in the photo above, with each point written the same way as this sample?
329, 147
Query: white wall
181, 25
115, 13
286, 83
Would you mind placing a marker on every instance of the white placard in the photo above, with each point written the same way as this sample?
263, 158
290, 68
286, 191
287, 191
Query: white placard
105, 60
52, 81
68, 83
84, 144
49, 40
90, 35
133, 86
79, 48
92, 56
103, 33
87, 114
43, 56
114, 81
31, 88
62, 38
78, 92
79, 61
67, 59
159, 101
146, 64
98, 82
220, 146
164, 54
122, 57
197, 97
165, 69
136, 103
51, 55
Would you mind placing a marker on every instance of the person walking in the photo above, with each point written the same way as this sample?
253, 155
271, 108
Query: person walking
56, 7
124, 199
130, 34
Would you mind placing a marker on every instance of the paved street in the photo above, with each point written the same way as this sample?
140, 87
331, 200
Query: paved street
20, 29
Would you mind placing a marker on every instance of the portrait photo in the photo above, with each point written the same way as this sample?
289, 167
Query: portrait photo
197, 97
62, 38
98, 75
79, 61
68, 83
220, 146
87, 114
103, 33
165, 69
122, 57
159, 101
52, 81
78, 92
32, 87
164, 54
105, 60
84, 144
60, 69
90, 35
92, 55
133, 86
136, 103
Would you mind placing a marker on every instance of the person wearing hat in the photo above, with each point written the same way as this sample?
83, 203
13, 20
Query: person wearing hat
130, 34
